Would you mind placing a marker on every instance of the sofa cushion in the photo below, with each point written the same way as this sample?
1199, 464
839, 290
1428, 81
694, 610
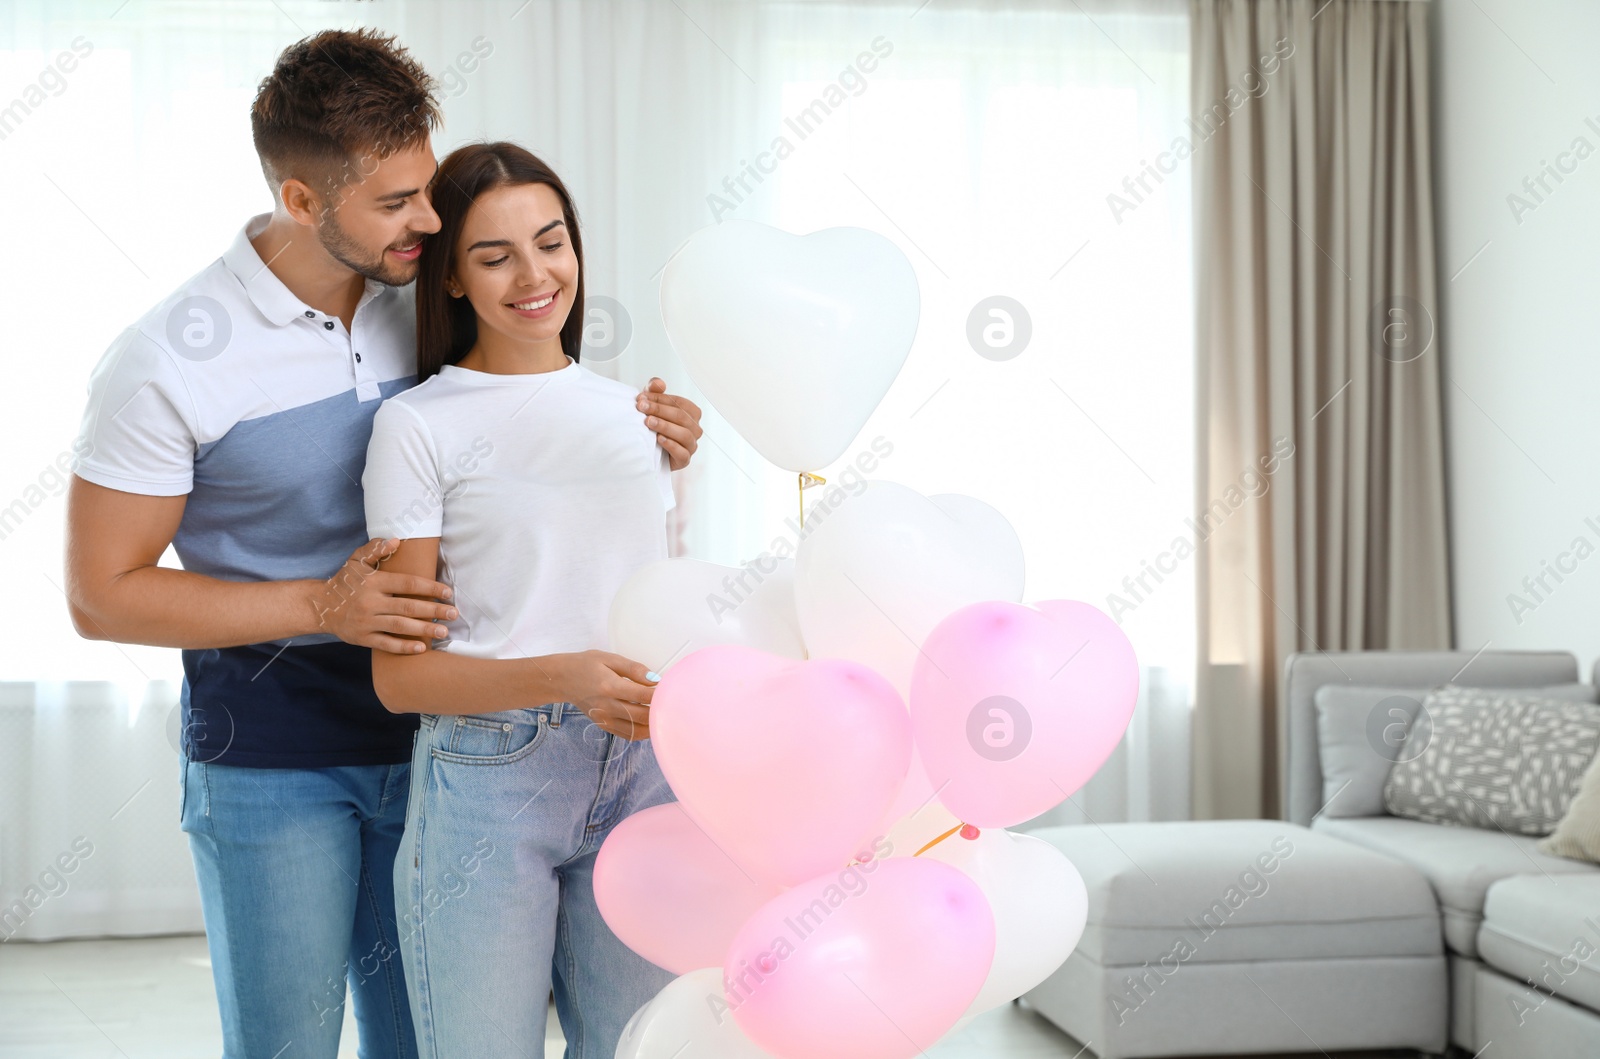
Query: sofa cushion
1362, 731
1223, 890
1460, 863
1306, 671
1546, 929
1494, 759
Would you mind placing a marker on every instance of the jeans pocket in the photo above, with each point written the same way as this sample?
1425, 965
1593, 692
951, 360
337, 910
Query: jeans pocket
488, 741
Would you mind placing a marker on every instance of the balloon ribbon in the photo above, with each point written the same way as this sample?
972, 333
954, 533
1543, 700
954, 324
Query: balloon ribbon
807, 480
938, 840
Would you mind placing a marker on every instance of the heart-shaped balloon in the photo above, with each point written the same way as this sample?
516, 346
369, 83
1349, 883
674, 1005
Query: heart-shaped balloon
888, 564
793, 339
670, 893
876, 961
689, 1019
1015, 707
1039, 902
671, 608
786, 765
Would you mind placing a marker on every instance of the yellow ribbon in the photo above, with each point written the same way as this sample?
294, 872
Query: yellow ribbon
807, 480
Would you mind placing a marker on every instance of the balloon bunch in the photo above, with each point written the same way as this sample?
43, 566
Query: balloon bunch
849, 739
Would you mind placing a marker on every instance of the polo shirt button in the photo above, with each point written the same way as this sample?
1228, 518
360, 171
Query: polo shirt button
358, 358
328, 325
309, 314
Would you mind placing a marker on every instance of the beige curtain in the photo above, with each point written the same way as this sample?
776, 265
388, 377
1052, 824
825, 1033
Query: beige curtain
1321, 503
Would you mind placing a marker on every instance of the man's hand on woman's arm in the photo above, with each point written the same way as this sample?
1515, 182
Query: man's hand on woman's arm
676, 421
383, 609
116, 591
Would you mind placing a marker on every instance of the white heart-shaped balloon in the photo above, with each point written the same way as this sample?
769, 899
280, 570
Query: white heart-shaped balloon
793, 339
888, 564
671, 608
689, 1019
1039, 902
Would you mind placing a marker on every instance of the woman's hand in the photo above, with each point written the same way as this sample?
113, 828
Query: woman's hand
676, 421
612, 690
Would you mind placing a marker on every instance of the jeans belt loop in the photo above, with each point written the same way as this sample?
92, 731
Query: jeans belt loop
555, 714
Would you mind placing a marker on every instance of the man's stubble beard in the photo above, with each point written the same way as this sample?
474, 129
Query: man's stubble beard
353, 256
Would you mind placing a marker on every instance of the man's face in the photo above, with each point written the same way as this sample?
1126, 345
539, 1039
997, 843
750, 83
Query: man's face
378, 212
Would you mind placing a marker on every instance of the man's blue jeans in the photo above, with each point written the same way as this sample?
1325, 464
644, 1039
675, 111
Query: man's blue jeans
296, 871
495, 882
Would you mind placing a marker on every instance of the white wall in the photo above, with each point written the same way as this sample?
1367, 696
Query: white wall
1515, 82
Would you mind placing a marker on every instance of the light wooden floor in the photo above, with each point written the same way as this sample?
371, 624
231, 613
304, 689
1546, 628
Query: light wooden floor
152, 999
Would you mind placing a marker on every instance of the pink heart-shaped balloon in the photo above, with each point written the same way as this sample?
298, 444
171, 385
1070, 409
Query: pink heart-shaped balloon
786, 765
670, 893
876, 961
1015, 707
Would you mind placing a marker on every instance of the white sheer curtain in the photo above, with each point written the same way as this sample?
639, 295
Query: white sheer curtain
987, 140
90, 837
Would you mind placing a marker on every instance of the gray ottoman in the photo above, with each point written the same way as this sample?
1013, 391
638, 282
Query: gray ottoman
1234, 937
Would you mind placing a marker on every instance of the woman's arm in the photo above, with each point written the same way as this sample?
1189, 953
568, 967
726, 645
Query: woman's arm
614, 691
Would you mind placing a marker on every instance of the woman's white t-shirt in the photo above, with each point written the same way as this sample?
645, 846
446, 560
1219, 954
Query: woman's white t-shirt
546, 491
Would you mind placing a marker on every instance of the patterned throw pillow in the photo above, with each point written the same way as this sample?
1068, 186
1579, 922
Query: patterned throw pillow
1494, 759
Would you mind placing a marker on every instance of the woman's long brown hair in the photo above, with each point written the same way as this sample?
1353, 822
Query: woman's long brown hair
447, 327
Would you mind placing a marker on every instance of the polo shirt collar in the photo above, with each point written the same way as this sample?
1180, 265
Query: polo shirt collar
267, 292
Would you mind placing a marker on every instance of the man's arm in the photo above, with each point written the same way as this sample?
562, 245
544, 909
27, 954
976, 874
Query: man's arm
115, 590
676, 421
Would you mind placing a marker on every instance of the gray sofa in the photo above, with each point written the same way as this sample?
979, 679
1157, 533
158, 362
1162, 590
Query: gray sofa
1509, 914
1341, 928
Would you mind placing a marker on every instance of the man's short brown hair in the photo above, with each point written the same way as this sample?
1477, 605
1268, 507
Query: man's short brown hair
335, 99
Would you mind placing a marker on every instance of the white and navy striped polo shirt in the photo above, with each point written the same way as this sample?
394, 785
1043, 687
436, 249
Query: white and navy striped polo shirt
259, 408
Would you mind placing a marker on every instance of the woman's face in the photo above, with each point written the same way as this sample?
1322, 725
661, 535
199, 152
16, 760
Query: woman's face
515, 263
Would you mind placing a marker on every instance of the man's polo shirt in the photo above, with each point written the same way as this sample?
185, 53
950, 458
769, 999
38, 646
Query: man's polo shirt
259, 408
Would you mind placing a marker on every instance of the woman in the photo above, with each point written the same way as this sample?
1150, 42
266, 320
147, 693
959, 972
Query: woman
534, 487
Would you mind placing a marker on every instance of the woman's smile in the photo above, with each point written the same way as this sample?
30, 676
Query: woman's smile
535, 306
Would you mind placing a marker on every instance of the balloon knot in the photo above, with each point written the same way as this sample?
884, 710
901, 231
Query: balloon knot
969, 832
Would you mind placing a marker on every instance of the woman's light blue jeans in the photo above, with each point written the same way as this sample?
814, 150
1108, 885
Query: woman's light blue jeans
494, 884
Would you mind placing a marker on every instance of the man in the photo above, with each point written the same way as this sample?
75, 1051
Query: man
232, 422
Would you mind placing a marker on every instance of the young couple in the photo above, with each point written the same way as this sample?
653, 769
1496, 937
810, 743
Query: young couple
292, 400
